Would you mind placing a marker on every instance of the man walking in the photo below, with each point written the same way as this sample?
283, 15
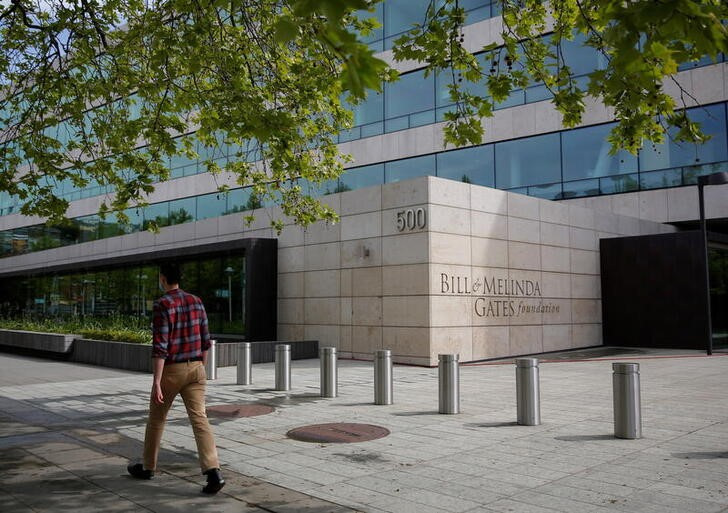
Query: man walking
181, 341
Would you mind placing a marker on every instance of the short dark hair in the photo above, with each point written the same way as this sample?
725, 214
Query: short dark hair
171, 271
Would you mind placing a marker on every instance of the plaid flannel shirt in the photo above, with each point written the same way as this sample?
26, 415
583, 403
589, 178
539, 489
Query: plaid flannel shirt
179, 327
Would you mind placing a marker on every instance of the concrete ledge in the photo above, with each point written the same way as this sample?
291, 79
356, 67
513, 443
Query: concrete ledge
118, 355
264, 351
38, 341
138, 357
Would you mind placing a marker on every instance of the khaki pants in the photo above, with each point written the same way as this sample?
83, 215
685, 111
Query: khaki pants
188, 380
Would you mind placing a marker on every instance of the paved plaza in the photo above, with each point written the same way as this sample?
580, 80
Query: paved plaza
67, 430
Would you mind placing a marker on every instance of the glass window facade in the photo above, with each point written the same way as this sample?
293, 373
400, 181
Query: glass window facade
472, 165
558, 165
410, 102
529, 161
586, 154
131, 291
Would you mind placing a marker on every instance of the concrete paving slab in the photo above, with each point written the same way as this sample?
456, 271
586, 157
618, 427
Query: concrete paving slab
75, 432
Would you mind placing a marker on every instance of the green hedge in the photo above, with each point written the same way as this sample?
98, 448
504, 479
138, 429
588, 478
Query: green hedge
117, 328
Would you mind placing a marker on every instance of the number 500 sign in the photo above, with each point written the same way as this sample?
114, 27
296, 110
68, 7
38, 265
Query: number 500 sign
411, 219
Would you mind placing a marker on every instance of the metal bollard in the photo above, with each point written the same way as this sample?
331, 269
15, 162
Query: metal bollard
383, 377
211, 363
245, 364
329, 374
528, 394
449, 377
283, 367
626, 398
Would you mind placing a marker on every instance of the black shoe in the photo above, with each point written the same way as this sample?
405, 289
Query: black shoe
137, 470
215, 482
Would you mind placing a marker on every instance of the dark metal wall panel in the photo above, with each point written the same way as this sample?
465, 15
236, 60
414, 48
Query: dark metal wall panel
261, 290
653, 291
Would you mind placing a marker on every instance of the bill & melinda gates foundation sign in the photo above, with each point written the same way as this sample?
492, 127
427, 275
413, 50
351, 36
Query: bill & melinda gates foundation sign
499, 297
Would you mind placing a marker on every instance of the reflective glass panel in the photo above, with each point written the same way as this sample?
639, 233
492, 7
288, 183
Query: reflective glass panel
530, 161
585, 152
158, 213
676, 154
409, 168
400, 15
470, 165
411, 93
182, 210
210, 205
362, 177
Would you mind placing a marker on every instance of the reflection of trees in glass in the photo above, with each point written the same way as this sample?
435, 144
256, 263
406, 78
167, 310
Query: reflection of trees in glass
234, 268
130, 292
210, 286
179, 216
341, 187
253, 202
624, 183
45, 241
68, 232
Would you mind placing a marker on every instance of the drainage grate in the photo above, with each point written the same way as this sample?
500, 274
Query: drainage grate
338, 433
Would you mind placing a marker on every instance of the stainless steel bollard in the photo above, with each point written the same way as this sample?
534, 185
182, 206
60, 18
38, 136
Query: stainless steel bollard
383, 377
329, 372
283, 367
528, 394
626, 398
211, 363
449, 377
245, 364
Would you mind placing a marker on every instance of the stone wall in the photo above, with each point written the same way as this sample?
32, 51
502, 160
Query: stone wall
468, 269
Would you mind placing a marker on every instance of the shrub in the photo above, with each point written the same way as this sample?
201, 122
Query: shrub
118, 328
118, 335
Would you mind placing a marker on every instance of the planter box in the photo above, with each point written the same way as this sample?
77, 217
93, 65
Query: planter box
138, 357
118, 355
38, 341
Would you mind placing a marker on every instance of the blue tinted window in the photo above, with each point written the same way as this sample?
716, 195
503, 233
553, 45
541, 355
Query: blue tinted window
476, 10
362, 177
134, 224
88, 228
210, 205
378, 14
472, 165
371, 110
239, 200
550, 192
158, 213
586, 154
182, 210
445, 79
409, 168
530, 161
183, 164
400, 15
676, 154
580, 58
411, 93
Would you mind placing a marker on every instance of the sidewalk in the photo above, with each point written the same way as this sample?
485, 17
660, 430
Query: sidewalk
67, 431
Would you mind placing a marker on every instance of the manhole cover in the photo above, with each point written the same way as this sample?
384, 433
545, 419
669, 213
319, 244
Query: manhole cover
338, 433
239, 410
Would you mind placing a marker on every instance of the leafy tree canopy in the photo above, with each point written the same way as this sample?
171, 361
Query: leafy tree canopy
96, 91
